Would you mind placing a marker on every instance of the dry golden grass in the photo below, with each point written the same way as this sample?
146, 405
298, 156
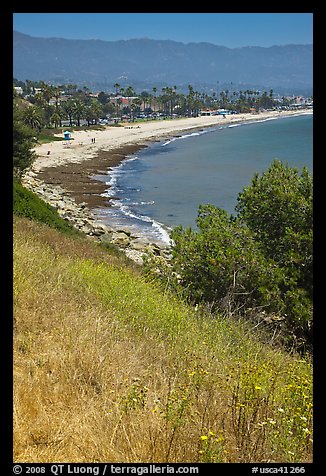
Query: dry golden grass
98, 375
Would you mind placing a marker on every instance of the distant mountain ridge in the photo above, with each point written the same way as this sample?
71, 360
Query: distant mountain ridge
155, 62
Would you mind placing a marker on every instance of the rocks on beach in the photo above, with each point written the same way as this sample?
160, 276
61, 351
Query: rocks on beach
83, 220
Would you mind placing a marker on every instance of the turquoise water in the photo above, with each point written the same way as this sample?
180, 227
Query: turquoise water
162, 186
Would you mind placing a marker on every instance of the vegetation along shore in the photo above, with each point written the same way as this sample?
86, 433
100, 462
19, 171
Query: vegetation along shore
200, 352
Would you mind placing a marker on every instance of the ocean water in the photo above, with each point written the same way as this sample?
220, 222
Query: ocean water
162, 186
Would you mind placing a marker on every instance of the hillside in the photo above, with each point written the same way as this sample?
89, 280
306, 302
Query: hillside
109, 367
149, 63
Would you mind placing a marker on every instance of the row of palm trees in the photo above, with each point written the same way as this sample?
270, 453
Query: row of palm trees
49, 108
170, 102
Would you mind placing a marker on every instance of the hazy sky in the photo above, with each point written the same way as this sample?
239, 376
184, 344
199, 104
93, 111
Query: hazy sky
227, 29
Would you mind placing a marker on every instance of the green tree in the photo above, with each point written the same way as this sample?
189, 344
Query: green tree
145, 98
56, 92
119, 104
223, 265
93, 111
135, 107
71, 89
56, 117
23, 141
103, 98
33, 117
278, 208
129, 92
117, 88
69, 109
47, 92
259, 260
154, 89
79, 110
266, 101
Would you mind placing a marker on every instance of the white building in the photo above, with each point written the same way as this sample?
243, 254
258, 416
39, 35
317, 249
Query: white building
18, 90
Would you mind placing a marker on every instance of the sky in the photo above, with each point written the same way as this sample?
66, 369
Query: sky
226, 29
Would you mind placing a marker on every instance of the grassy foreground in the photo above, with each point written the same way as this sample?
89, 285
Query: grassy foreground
108, 367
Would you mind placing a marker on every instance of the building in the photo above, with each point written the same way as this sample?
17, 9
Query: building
53, 101
124, 101
18, 90
207, 113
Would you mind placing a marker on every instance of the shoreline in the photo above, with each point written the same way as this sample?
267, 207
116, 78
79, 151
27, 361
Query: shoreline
77, 168
79, 178
74, 167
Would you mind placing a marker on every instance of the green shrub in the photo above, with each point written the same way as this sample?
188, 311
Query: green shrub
222, 264
29, 205
23, 142
278, 208
258, 263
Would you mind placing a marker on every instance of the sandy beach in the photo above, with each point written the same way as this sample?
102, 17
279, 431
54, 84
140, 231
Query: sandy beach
73, 164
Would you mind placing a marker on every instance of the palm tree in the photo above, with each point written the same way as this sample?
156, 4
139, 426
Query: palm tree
173, 98
29, 86
196, 104
119, 102
47, 92
69, 108
133, 107
79, 110
144, 95
56, 118
94, 111
71, 88
137, 103
154, 91
56, 93
190, 99
129, 92
170, 94
117, 88
33, 117
165, 98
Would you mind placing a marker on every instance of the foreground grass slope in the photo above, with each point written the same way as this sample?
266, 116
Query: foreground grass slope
108, 367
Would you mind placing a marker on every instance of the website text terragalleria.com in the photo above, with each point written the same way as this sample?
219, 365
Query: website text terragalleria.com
103, 469
56, 469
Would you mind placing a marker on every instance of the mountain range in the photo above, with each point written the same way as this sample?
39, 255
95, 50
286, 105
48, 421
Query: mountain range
147, 63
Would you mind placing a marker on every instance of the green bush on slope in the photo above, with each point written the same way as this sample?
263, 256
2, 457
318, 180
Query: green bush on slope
28, 204
257, 264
